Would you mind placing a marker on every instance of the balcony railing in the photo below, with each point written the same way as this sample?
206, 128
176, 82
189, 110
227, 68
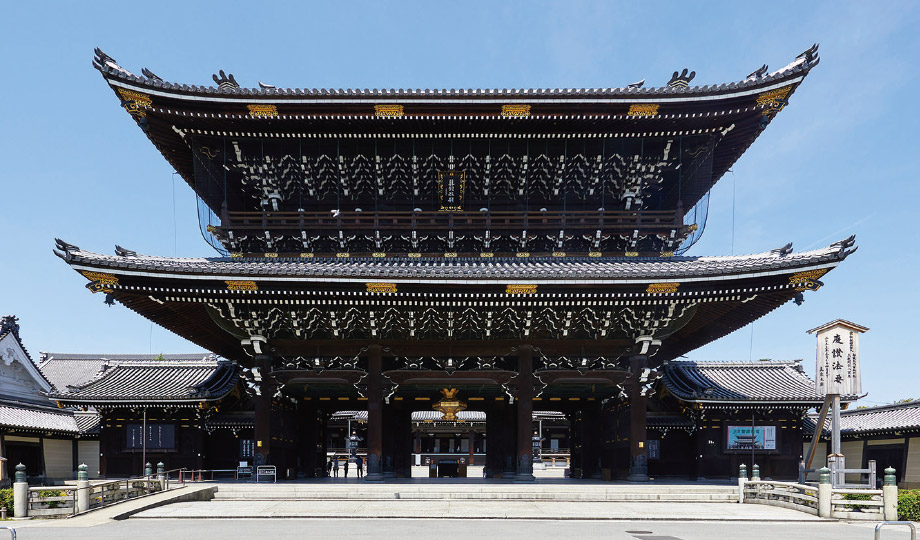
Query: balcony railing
657, 221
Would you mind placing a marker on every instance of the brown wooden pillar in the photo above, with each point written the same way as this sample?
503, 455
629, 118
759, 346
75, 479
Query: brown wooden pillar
591, 441
525, 415
472, 444
374, 415
263, 418
638, 460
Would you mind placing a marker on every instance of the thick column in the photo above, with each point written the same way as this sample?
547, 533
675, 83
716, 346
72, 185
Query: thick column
374, 416
495, 461
263, 419
525, 415
472, 446
404, 440
638, 460
591, 441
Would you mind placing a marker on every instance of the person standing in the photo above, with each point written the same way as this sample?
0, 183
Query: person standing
328, 468
359, 463
346, 466
335, 466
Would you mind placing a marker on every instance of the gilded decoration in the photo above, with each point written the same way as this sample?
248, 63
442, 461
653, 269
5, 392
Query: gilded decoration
414, 255
521, 289
343, 255
306, 255
667, 253
515, 111
808, 280
451, 255
270, 255
389, 111
594, 254
381, 287
379, 255
237, 285
236, 255
100, 281
450, 190
773, 101
135, 102
522, 255
643, 109
450, 404
262, 111
485, 255
558, 254
632, 253
659, 288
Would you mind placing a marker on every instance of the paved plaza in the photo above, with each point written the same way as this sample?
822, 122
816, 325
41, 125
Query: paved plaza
180, 529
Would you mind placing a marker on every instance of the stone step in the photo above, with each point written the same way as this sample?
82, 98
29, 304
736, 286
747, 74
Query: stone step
444, 492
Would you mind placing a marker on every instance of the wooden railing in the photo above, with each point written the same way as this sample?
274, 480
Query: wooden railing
651, 221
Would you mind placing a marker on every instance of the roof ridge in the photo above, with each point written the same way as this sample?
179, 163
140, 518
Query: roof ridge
890, 406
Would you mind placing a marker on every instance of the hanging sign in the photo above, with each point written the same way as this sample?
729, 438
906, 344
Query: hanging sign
450, 190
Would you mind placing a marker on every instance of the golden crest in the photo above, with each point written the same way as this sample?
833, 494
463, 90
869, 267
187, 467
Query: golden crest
643, 109
135, 102
262, 111
381, 287
515, 111
659, 288
389, 111
521, 289
241, 285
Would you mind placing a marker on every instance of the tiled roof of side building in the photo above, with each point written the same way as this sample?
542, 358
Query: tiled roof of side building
899, 417
26, 417
134, 381
739, 382
534, 268
67, 369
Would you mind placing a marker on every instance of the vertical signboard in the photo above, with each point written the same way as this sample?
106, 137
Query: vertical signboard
450, 190
837, 369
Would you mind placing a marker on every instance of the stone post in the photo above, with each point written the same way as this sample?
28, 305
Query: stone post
742, 479
82, 488
755, 473
890, 495
148, 469
824, 492
20, 493
161, 475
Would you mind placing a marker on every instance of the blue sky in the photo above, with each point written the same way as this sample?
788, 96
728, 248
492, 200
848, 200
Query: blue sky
841, 159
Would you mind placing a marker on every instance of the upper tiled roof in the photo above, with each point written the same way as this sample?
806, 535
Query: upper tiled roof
28, 417
66, 369
228, 86
437, 416
873, 420
138, 381
739, 382
626, 268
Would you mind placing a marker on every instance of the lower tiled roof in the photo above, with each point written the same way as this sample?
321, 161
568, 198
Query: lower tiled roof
738, 382
143, 381
24, 417
605, 268
68, 369
873, 420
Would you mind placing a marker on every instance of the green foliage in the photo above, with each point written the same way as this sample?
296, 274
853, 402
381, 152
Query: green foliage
909, 504
52, 493
6, 499
856, 497
159, 357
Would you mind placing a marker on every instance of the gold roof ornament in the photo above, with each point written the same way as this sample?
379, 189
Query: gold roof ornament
450, 404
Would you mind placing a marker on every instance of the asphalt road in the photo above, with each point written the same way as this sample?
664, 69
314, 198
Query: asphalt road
465, 529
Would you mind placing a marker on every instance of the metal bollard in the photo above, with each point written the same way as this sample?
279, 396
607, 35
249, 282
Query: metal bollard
913, 528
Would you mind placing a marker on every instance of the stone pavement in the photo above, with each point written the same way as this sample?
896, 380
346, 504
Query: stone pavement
448, 529
472, 509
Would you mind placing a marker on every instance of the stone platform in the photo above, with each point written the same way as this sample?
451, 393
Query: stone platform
472, 490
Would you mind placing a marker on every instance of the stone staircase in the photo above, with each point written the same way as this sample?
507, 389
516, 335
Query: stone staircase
478, 492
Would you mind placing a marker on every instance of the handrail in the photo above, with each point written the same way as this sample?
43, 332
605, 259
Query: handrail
655, 220
12, 531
